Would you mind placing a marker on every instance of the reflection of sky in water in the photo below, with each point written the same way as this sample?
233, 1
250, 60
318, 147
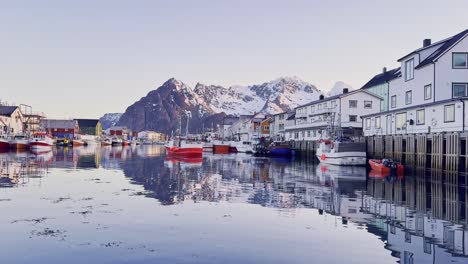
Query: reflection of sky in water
98, 207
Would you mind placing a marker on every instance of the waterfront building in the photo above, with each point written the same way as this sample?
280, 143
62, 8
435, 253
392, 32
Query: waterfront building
151, 136
119, 131
277, 124
265, 127
341, 111
11, 120
431, 93
61, 128
379, 85
90, 127
245, 128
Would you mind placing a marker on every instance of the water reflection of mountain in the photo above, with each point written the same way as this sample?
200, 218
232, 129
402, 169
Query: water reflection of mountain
421, 218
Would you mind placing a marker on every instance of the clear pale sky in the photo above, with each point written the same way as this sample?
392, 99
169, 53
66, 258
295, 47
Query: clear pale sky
86, 58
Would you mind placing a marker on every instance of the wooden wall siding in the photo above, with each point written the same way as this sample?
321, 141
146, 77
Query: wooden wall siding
389, 147
452, 205
379, 147
370, 146
437, 151
410, 150
437, 194
421, 204
421, 150
452, 151
398, 145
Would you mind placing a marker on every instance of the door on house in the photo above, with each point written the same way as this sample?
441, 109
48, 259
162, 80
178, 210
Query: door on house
389, 124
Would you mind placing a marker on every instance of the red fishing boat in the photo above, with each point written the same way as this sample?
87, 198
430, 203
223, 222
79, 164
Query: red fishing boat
386, 166
41, 141
4, 142
182, 148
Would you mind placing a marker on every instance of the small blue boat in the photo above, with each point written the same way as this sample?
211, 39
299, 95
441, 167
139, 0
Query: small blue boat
283, 150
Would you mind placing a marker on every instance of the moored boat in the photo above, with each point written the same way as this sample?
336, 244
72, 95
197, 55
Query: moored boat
221, 147
19, 142
207, 147
386, 166
41, 140
182, 148
78, 142
280, 149
117, 141
106, 142
341, 152
125, 142
241, 147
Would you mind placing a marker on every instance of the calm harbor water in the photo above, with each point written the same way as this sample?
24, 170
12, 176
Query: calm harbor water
134, 205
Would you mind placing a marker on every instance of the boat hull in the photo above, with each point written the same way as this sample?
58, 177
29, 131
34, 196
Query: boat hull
185, 152
4, 144
281, 151
343, 158
19, 145
380, 168
221, 149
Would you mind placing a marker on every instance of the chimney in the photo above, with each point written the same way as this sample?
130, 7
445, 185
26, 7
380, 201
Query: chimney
426, 42
321, 97
345, 90
384, 70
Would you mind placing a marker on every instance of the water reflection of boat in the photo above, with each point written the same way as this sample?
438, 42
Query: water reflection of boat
184, 162
345, 172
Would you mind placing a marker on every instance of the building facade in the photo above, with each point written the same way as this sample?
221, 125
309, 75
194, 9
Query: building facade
430, 95
341, 112
278, 123
11, 120
90, 127
59, 128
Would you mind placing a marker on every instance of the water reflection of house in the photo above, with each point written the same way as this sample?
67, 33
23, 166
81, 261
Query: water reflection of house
20, 167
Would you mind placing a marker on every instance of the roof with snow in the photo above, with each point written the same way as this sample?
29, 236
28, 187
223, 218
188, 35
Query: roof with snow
7, 110
383, 78
446, 45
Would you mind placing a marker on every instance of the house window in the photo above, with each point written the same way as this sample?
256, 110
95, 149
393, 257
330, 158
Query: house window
319, 107
377, 122
352, 103
368, 104
420, 117
428, 92
308, 133
449, 113
303, 134
401, 121
460, 60
408, 97
393, 101
333, 104
368, 123
324, 105
312, 108
353, 118
409, 70
459, 89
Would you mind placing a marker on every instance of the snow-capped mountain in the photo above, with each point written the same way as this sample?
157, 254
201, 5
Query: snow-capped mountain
338, 88
272, 97
162, 108
109, 120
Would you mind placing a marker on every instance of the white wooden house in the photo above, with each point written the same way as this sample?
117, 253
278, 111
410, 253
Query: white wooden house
430, 95
341, 111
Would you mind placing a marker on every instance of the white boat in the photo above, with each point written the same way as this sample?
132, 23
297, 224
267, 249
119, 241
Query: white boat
207, 147
117, 141
242, 146
41, 141
341, 152
19, 142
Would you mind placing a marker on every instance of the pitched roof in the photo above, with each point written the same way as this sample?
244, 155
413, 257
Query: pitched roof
442, 49
7, 110
445, 45
87, 122
383, 78
292, 117
339, 96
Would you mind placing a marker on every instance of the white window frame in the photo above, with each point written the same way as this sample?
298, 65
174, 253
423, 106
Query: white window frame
446, 119
378, 122
409, 70
465, 54
367, 102
393, 102
355, 116
355, 102
368, 123
410, 97
404, 125
461, 84
428, 95
423, 117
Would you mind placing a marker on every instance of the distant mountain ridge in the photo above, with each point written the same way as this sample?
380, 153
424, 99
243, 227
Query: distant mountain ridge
109, 120
163, 108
